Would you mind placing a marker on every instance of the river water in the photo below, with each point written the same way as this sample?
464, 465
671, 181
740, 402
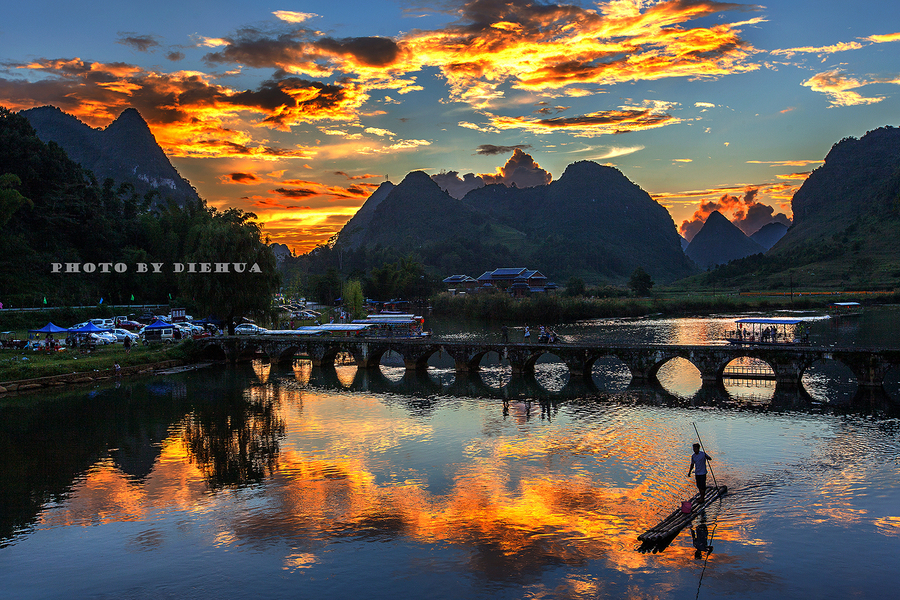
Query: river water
259, 481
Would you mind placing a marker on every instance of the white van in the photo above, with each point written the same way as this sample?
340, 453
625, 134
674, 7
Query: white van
103, 323
159, 334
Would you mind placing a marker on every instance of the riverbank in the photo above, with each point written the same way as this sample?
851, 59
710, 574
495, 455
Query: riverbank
37, 383
559, 308
22, 370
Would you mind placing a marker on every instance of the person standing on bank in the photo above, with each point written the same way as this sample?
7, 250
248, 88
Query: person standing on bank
698, 467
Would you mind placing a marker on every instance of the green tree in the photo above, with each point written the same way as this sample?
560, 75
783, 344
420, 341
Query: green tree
232, 238
354, 301
640, 282
575, 286
10, 198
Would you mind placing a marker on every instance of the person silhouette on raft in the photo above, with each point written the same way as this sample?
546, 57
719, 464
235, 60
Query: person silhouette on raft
698, 466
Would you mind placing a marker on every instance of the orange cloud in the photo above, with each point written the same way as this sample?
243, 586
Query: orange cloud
521, 170
746, 212
840, 88
548, 47
189, 115
624, 119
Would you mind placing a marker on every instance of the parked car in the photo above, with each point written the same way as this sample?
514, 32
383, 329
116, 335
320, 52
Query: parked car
104, 338
158, 334
130, 325
121, 334
249, 329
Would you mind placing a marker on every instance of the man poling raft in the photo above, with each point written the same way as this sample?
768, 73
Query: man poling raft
680, 518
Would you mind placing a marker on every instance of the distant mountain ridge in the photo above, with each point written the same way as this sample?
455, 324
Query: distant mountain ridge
769, 235
592, 222
720, 241
125, 150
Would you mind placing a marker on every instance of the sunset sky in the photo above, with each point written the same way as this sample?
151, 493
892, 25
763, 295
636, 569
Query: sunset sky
297, 111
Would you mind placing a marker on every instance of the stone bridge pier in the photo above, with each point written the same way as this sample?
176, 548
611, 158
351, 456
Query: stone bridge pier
643, 361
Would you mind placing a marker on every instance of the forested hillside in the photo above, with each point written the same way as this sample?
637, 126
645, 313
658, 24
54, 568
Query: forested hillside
846, 220
592, 223
54, 211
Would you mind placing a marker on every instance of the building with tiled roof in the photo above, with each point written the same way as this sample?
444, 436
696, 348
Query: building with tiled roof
518, 281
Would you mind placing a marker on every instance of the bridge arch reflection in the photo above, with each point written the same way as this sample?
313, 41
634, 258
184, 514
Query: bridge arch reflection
644, 362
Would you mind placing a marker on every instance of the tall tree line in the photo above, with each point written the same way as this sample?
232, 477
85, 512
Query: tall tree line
54, 211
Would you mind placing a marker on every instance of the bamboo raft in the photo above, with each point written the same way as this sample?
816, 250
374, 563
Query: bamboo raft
669, 527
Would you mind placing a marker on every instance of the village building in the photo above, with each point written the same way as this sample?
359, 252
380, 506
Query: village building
517, 281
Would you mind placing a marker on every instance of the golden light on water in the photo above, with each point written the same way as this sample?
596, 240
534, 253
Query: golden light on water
515, 494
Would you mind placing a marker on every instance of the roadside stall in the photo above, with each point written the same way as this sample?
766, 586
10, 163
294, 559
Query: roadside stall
49, 343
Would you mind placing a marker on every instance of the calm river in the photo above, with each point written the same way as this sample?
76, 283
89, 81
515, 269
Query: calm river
261, 481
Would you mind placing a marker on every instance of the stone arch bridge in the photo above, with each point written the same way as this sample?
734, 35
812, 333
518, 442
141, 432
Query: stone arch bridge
788, 362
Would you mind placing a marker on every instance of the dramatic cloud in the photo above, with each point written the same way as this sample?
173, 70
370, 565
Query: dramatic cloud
880, 39
142, 43
839, 47
526, 45
519, 63
626, 118
747, 213
520, 171
839, 88
295, 192
356, 177
290, 16
185, 110
540, 47
246, 178
490, 149
455, 185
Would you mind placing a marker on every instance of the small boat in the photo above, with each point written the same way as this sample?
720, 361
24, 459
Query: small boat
669, 527
767, 332
841, 310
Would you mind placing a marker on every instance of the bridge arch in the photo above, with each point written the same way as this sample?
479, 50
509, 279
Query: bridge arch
550, 370
830, 380
680, 376
643, 362
608, 372
213, 351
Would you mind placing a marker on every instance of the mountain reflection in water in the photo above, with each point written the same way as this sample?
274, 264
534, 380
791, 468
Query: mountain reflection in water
265, 480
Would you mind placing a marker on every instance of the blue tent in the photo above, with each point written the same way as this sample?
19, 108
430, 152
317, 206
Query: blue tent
49, 328
89, 328
158, 325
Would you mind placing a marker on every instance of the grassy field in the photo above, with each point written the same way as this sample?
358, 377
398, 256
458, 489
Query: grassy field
16, 365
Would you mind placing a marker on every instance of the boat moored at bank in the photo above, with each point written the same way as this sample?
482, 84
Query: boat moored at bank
768, 331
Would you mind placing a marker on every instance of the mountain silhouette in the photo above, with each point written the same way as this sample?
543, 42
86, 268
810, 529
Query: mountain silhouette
857, 182
353, 232
769, 235
417, 212
592, 221
125, 151
720, 241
